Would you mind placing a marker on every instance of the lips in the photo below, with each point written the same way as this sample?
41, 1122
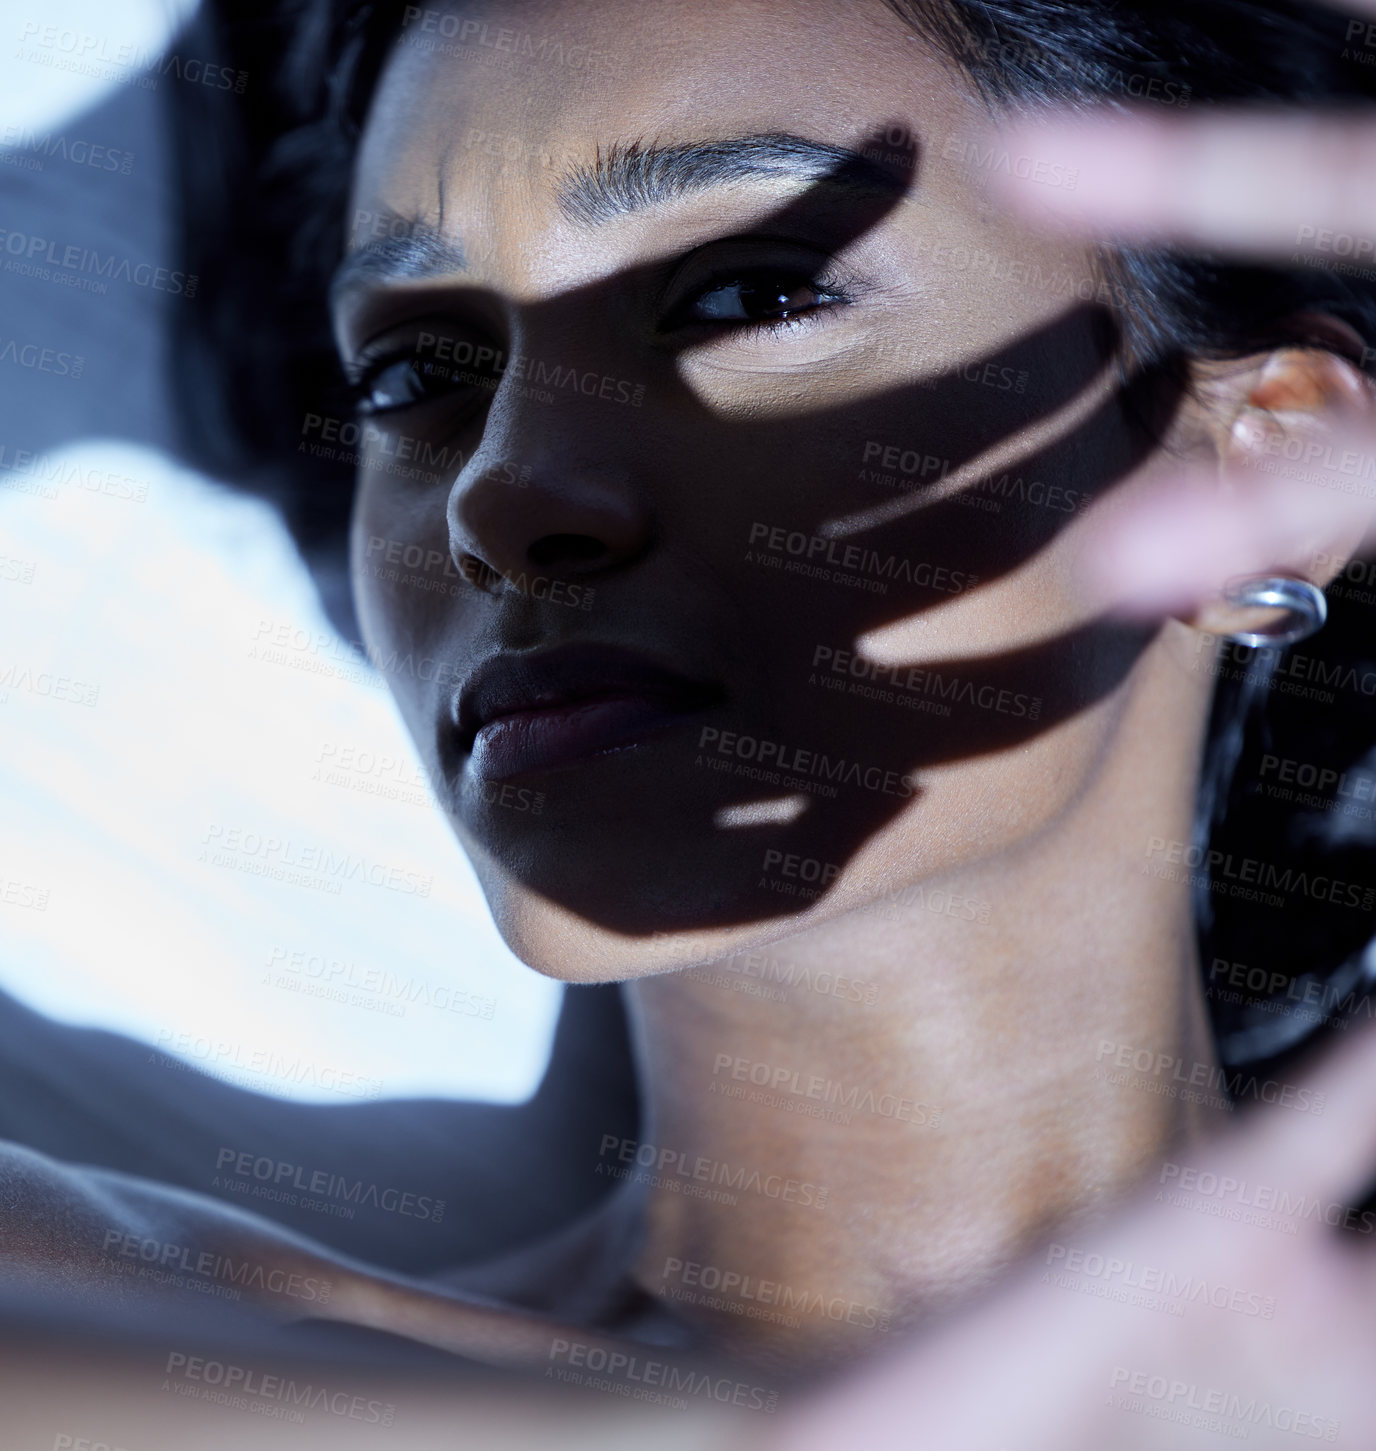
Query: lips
528, 712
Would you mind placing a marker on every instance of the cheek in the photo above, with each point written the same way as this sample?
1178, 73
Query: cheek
404, 579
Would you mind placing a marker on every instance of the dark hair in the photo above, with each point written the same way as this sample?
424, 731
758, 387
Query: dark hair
265, 185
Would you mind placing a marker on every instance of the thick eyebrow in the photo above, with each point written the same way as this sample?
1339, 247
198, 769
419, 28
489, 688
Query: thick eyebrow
621, 179
631, 176
410, 251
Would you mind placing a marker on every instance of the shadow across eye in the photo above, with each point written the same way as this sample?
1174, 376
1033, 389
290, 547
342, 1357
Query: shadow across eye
444, 369
760, 296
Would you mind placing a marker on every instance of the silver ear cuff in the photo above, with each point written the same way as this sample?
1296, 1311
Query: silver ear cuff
1305, 602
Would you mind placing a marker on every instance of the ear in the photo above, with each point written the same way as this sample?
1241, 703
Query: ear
1255, 416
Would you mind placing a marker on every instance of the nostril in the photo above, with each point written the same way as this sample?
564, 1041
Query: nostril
565, 549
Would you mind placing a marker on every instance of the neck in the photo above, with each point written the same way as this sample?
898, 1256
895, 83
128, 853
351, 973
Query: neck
860, 1124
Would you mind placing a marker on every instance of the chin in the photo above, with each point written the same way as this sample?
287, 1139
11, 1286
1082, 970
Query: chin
558, 943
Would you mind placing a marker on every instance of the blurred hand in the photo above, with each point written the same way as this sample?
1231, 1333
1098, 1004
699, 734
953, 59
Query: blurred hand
1077, 1353
1260, 184
1080, 1353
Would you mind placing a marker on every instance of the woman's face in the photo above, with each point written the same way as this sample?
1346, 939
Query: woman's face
726, 454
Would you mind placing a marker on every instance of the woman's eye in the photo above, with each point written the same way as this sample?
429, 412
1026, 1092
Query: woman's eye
402, 382
759, 297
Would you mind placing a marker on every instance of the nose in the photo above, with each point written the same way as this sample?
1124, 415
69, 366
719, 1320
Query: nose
557, 505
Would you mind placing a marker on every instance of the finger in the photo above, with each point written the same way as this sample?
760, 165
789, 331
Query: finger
1170, 546
1257, 182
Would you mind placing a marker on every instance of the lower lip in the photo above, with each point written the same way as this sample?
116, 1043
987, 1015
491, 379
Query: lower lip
540, 740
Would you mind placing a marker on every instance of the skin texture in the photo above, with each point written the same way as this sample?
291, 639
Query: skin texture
1033, 1366
1029, 939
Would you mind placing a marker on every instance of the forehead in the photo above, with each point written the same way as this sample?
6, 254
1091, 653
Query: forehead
489, 105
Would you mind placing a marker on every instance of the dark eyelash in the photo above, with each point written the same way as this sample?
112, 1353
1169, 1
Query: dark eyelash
373, 359
832, 291
763, 327
361, 374
359, 379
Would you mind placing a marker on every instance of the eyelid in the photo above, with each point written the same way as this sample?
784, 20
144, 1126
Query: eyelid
759, 253
403, 311
372, 358
832, 292
381, 354
388, 347
401, 343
